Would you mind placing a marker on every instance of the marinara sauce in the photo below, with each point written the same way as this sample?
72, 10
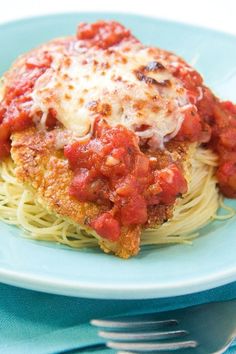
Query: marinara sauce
110, 169
16, 105
214, 125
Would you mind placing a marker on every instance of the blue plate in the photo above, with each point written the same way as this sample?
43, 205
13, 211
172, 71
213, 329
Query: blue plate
155, 272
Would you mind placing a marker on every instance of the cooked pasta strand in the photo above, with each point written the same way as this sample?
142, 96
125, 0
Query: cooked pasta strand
196, 209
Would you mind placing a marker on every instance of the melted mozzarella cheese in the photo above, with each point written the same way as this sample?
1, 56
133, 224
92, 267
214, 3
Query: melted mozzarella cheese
85, 83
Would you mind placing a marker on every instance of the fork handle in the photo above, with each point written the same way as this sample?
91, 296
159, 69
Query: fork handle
230, 306
227, 313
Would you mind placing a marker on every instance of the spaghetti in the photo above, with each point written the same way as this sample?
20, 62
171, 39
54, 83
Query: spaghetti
198, 207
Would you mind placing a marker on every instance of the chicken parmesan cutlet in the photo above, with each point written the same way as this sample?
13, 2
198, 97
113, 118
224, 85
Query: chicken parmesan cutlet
106, 134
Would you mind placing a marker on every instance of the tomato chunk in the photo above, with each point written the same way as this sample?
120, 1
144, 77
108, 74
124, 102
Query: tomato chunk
172, 183
2, 112
191, 127
5, 148
227, 178
229, 106
134, 212
223, 141
191, 78
228, 138
107, 226
21, 122
81, 187
51, 120
103, 34
86, 188
5, 131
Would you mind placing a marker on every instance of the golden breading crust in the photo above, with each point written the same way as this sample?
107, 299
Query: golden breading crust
41, 167
44, 169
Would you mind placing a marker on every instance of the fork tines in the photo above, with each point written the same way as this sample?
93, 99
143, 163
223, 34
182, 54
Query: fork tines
134, 335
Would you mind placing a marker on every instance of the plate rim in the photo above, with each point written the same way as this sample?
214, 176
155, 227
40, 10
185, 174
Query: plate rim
116, 292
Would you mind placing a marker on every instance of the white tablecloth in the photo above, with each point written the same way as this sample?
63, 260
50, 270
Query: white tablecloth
219, 14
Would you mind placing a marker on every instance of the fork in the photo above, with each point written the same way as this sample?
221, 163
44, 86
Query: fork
204, 329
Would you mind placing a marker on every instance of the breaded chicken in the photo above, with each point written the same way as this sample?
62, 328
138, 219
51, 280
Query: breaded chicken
44, 169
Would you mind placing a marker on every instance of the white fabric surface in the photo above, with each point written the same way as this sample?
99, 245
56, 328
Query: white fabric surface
218, 14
